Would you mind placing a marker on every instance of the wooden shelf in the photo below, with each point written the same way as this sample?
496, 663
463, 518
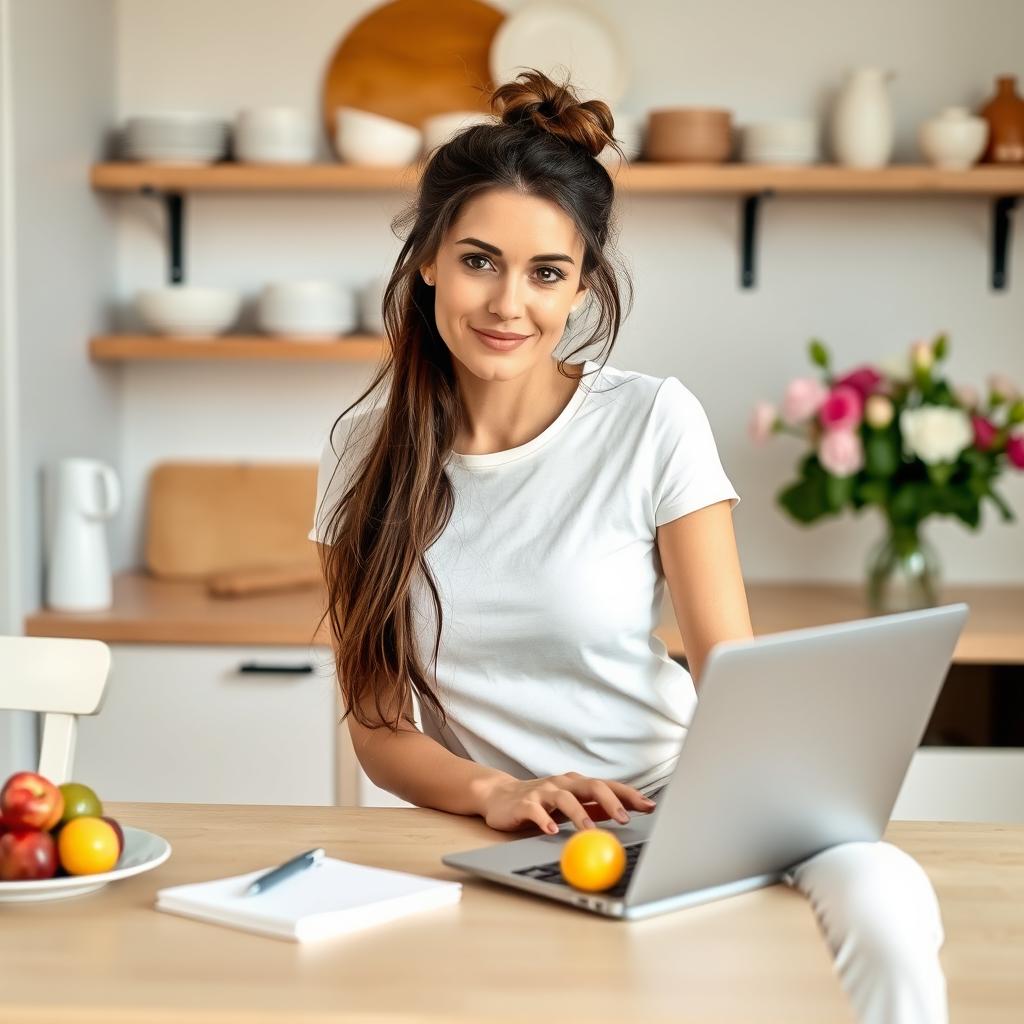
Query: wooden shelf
729, 178
128, 348
150, 610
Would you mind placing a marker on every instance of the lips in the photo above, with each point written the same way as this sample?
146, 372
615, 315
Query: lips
502, 335
500, 344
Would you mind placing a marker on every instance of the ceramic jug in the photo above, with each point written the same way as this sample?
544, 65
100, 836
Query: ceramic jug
862, 119
81, 494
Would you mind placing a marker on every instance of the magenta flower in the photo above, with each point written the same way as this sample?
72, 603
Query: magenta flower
841, 452
864, 380
802, 400
1015, 449
984, 432
842, 409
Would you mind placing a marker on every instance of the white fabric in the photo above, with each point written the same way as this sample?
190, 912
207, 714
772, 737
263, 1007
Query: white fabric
551, 584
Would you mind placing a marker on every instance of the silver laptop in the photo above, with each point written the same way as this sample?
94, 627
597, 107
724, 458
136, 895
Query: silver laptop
800, 740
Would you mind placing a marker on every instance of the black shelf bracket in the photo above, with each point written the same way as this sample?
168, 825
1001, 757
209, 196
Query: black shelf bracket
1002, 209
175, 205
748, 239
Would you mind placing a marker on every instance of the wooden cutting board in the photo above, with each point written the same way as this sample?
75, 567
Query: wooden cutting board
215, 517
410, 59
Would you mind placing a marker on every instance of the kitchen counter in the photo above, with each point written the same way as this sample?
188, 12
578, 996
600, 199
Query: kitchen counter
498, 955
148, 610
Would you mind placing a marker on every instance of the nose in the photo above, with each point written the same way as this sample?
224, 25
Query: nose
506, 302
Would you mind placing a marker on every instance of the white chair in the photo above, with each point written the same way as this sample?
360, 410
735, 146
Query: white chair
59, 677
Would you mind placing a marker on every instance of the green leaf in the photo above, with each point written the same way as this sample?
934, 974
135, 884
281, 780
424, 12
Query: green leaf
838, 491
940, 472
819, 354
874, 492
941, 346
881, 453
805, 500
1004, 509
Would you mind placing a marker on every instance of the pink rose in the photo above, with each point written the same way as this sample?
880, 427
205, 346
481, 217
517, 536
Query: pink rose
762, 419
842, 409
864, 380
967, 395
802, 400
1015, 449
984, 432
841, 452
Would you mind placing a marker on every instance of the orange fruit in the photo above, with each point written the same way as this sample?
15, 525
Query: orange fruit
593, 860
87, 846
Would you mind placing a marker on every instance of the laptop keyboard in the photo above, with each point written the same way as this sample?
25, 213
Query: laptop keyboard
552, 872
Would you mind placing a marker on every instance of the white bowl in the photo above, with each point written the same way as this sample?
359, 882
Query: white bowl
439, 128
953, 140
275, 135
362, 137
188, 311
306, 308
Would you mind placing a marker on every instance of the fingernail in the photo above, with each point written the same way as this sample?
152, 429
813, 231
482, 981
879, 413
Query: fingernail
622, 816
552, 827
650, 803
588, 823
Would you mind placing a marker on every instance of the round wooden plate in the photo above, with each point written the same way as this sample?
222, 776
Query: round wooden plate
410, 59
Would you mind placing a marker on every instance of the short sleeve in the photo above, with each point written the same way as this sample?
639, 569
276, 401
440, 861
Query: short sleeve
339, 458
688, 472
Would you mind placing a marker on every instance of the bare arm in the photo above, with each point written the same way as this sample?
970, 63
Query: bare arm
702, 569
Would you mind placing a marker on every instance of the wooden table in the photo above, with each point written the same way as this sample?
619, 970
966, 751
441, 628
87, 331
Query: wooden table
499, 955
149, 610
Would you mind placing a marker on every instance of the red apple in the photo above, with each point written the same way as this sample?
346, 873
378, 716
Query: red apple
120, 833
27, 853
31, 799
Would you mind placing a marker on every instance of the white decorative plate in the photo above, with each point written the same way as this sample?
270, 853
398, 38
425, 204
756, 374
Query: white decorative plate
562, 38
143, 851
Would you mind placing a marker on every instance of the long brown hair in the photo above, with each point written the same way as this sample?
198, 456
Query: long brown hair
399, 498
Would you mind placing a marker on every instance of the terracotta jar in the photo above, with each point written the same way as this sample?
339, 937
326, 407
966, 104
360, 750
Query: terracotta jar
1005, 115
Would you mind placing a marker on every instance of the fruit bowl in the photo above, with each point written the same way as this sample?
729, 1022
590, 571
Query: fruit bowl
143, 851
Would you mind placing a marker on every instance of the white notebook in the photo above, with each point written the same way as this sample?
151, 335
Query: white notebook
333, 897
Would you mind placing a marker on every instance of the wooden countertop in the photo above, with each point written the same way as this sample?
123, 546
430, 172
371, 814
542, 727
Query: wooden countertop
498, 955
148, 610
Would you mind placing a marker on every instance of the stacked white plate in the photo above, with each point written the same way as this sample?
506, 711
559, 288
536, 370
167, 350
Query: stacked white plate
185, 138
306, 310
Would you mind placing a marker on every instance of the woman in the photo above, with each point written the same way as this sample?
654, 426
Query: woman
534, 507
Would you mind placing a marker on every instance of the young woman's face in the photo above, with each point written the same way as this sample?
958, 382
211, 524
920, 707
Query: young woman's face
510, 264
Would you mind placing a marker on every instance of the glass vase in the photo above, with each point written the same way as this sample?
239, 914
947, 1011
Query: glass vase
903, 571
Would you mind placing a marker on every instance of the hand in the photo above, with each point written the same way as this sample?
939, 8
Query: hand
511, 804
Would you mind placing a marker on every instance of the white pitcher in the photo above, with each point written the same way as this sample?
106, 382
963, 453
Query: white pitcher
862, 119
82, 494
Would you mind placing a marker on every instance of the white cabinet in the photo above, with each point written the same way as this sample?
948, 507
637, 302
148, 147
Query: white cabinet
184, 723
204, 724
963, 784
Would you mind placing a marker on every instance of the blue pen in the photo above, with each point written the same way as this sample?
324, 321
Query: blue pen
285, 870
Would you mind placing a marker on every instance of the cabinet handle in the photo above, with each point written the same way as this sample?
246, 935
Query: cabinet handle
255, 666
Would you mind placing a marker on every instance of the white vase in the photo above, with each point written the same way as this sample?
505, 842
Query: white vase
862, 120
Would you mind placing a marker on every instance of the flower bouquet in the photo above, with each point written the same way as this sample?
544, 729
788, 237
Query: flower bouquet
898, 436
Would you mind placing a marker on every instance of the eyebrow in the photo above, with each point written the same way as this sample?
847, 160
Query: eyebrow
550, 257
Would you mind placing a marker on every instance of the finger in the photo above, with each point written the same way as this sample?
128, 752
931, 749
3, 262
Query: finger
573, 809
596, 789
536, 813
631, 797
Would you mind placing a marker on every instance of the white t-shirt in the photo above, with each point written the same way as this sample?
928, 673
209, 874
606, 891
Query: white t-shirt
551, 584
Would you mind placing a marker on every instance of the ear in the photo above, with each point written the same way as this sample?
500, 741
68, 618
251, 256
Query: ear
581, 297
428, 274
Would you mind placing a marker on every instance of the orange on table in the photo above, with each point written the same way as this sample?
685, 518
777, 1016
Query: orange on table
87, 846
593, 860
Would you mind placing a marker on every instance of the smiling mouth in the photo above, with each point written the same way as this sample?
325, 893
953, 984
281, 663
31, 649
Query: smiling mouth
501, 335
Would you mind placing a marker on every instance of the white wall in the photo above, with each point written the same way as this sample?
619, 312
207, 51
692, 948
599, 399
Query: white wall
867, 276
58, 266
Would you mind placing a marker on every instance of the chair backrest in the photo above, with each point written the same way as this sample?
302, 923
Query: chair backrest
59, 677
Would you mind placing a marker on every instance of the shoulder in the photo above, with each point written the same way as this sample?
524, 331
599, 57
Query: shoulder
650, 397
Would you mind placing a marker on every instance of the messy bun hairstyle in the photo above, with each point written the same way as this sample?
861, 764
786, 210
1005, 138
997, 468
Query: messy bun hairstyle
397, 497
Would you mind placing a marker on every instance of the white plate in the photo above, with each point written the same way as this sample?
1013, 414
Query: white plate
559, 39
143, 851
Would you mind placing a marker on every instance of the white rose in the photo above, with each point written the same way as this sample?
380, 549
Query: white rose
896, 366
935, 433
